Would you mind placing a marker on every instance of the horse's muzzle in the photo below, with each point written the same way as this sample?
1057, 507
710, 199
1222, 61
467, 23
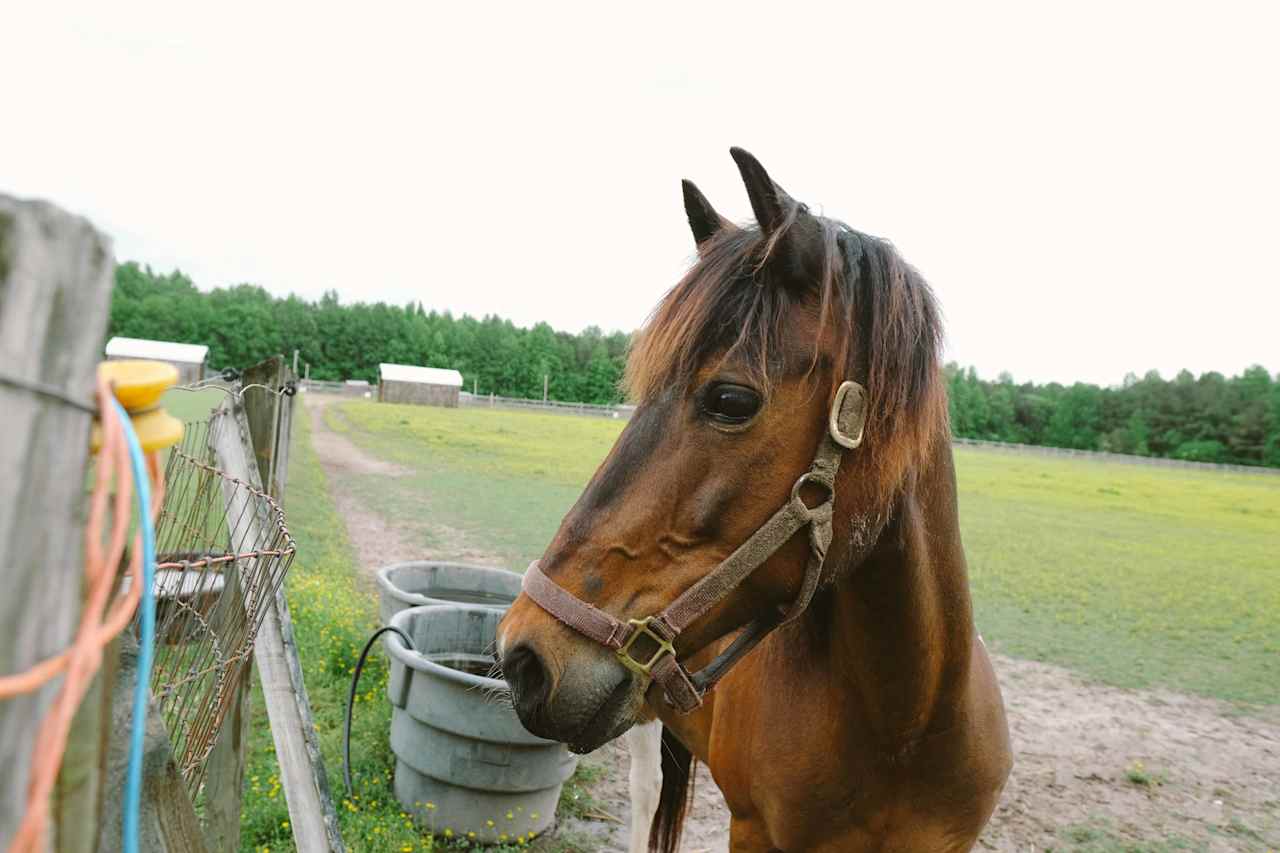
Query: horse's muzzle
586, 703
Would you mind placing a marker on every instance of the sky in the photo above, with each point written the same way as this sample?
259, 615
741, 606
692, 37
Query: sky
1091, 188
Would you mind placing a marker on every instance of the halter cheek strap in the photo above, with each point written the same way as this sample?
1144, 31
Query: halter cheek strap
657, 633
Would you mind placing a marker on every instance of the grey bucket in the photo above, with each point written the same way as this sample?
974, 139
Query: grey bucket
464, 763
424, 582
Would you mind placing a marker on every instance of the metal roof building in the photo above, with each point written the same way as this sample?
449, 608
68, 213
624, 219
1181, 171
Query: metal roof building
188, 358
423, 386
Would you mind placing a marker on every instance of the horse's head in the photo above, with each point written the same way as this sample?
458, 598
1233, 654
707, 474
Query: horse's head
735, 376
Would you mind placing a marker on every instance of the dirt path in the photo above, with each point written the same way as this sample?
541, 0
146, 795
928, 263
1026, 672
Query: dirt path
1152, 764
1097, 768
1098, 765
379, 541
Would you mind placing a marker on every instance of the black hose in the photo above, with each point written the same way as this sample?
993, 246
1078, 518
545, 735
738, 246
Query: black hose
351, 697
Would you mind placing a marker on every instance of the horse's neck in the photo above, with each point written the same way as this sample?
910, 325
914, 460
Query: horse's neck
899, 626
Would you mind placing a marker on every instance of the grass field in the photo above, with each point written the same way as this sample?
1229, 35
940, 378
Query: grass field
1131, 575
189, 406
334, 610
333, 615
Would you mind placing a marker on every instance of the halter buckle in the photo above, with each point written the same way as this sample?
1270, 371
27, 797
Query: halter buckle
841, 420
641, 628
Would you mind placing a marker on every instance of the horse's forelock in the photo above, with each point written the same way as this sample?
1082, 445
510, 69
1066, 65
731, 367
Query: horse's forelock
877, 317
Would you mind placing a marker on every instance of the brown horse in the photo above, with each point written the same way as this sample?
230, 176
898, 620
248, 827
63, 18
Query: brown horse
795, 366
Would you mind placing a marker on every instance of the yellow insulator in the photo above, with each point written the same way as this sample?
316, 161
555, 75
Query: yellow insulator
139, 385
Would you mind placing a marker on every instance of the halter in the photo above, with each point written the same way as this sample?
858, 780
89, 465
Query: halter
684, 691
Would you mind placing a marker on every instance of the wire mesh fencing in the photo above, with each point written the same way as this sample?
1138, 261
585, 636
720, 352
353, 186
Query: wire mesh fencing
222, 551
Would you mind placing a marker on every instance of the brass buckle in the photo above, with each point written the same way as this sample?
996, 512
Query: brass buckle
642, 628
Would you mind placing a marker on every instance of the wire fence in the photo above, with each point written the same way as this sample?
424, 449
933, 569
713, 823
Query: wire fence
223, 549
1102, 456
624, 412
494, 401
354, 389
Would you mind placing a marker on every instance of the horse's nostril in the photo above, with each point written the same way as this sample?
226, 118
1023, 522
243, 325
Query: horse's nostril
524, 671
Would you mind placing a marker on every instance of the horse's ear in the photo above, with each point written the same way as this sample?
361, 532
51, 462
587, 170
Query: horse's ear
703, 219
769, 202
794, 238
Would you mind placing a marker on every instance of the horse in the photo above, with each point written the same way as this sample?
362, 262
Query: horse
769, 558
644, 746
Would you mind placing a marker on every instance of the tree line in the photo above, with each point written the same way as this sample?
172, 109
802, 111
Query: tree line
242, 325
1210, 418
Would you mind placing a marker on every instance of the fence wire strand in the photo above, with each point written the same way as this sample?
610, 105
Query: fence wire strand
223, 549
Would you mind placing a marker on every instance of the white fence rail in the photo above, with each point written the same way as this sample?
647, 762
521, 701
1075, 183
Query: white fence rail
324, 386
493, 401
1100, 456
624, 412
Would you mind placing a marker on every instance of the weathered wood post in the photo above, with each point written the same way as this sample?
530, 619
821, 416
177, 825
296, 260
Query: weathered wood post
55, 289
167, 822
268, 417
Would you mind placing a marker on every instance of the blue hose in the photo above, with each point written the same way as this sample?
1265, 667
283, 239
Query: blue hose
146, 639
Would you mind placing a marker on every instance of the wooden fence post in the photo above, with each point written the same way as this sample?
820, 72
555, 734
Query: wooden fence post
167, 822
55, 288
268, 416
224, 776
224, 786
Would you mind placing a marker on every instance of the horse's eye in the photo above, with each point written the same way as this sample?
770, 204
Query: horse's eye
732, 404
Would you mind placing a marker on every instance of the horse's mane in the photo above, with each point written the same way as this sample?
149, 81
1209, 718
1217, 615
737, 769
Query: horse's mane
883, 321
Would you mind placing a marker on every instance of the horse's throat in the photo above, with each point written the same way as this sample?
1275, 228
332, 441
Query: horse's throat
897, 629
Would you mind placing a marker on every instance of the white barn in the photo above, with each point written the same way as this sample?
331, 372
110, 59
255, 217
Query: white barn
424, 386
188, 358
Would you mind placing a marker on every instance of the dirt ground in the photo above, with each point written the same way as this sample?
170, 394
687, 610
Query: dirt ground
1097, 768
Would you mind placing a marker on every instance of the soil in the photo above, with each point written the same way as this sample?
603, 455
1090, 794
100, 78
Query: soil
1111, 768
377, 541
337, 454
1201, 771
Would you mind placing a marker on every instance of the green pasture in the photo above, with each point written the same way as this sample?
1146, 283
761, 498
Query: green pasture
1132, 575
188, 406
334, 610
1135, 576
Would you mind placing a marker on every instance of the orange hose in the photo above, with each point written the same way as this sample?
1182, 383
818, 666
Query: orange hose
97, 628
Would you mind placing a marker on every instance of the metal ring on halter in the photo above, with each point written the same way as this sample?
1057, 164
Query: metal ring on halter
818, 479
